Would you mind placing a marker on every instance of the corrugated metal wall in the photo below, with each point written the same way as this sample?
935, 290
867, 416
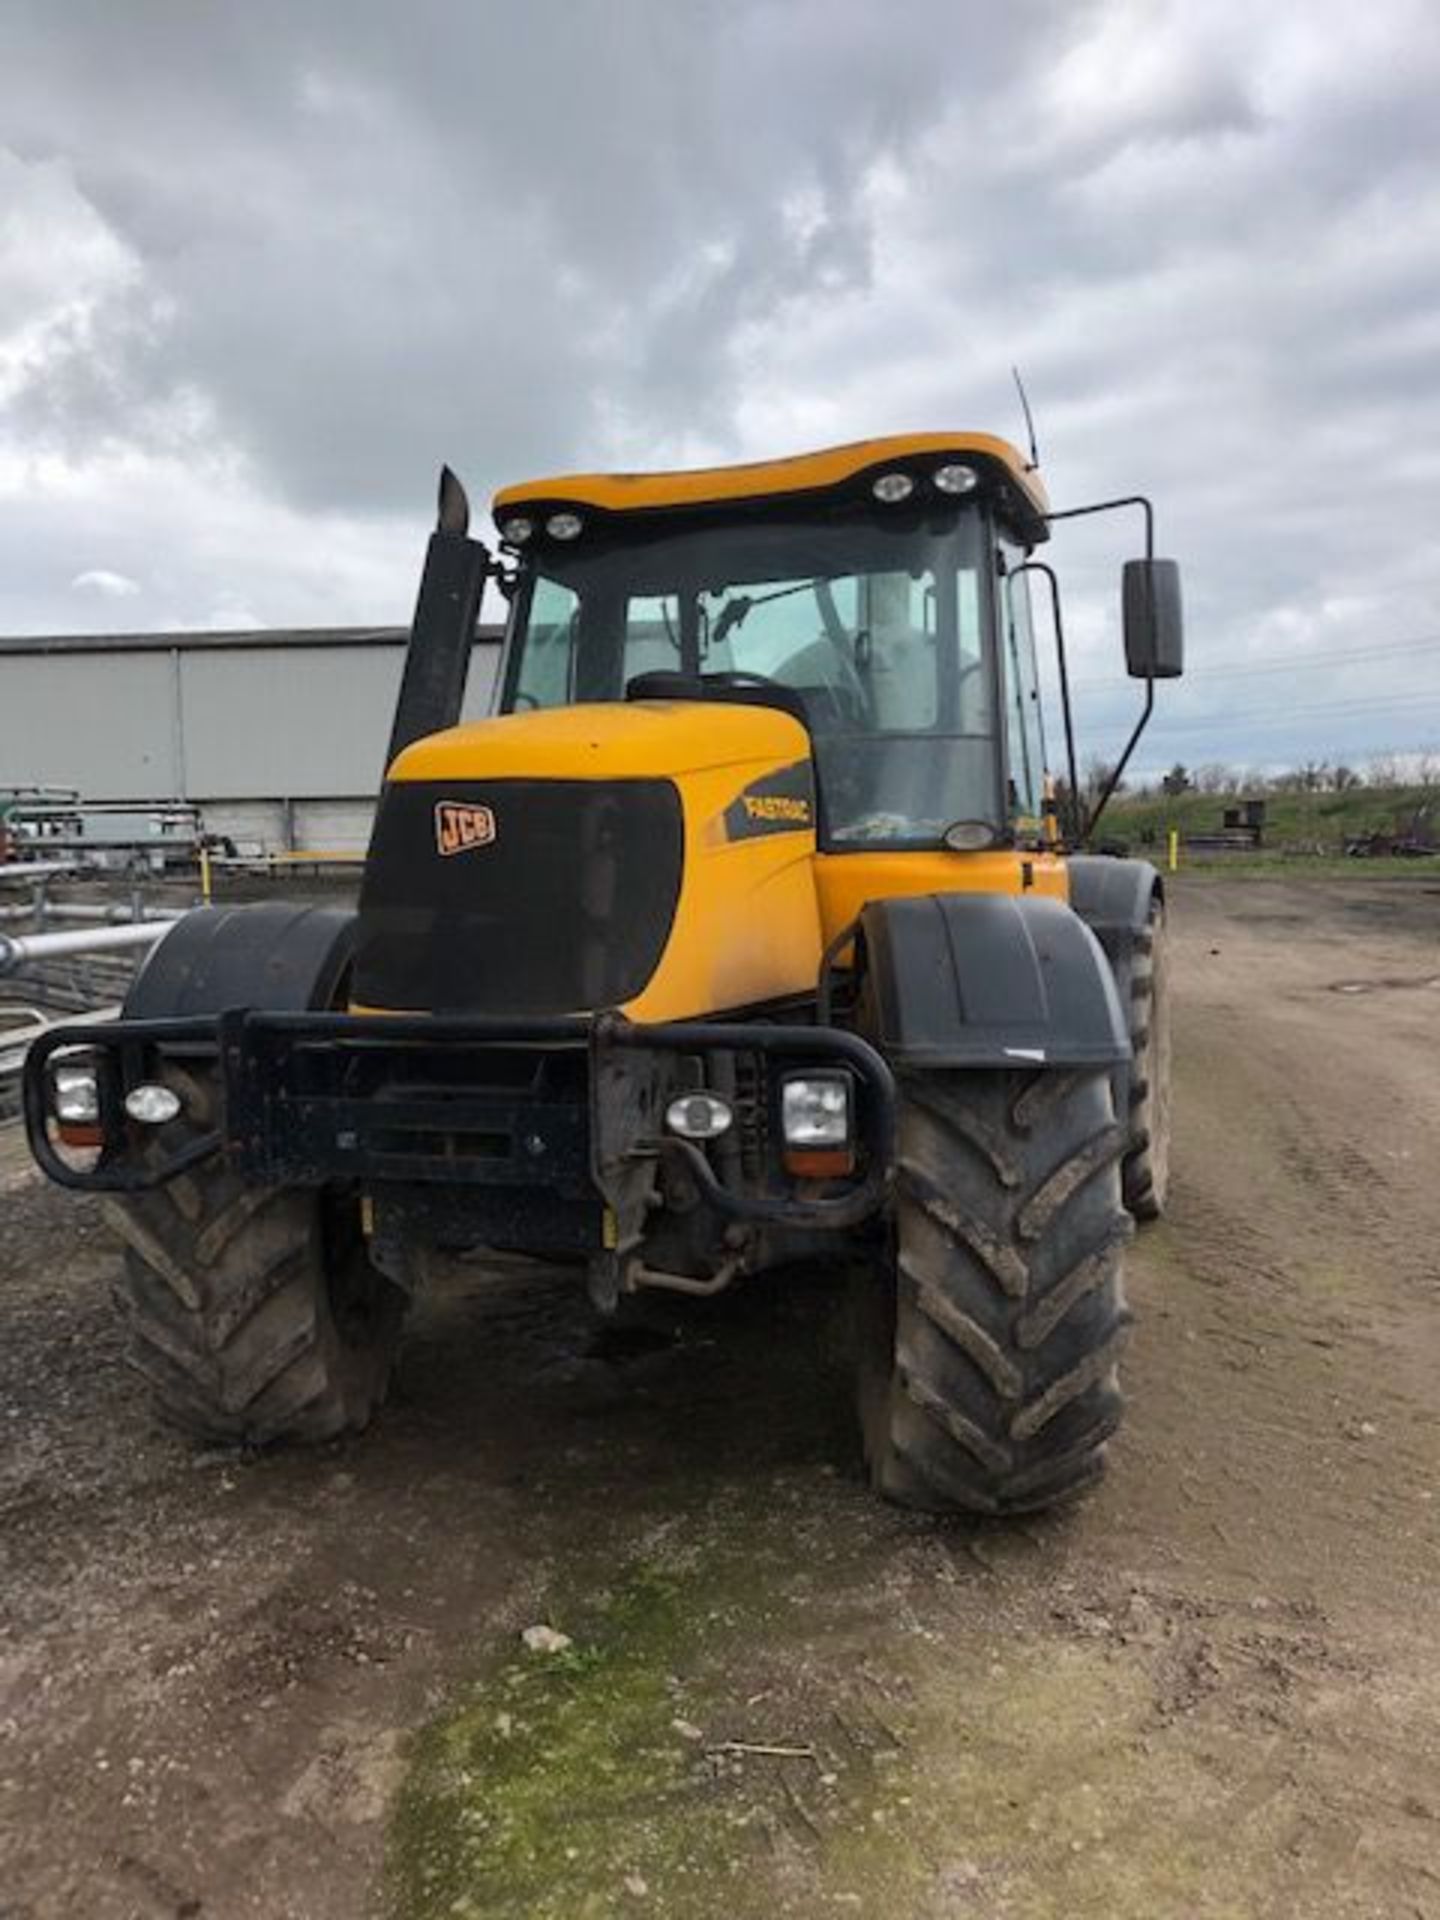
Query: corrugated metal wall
101, 723
280, 737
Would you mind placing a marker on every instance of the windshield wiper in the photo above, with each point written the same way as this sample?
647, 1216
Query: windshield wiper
731, 615
735, 612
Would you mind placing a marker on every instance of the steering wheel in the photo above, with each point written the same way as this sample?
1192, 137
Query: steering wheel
846, 699
738, 677
843, 706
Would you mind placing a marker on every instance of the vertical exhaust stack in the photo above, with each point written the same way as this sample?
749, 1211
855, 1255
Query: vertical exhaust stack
437, 660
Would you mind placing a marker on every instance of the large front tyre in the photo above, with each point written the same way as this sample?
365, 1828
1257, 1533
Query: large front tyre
1143, 979
253, 1314
988, 1365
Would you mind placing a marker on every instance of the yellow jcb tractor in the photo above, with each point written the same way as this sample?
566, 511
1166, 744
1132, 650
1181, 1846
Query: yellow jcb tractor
748, 929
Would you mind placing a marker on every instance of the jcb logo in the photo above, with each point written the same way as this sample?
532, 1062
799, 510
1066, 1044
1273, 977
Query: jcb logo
460, 829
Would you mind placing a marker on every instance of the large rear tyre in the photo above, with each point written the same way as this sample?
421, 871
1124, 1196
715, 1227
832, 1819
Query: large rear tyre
988, 1370
254, 1314
1143, 980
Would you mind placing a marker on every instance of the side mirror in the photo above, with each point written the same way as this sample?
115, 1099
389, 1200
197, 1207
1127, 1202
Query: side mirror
1154, 624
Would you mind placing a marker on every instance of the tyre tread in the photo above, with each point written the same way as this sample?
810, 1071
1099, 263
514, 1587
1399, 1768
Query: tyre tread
1009, 1315
225, 1297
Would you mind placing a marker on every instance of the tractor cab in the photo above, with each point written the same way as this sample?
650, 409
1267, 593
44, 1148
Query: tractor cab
870, 591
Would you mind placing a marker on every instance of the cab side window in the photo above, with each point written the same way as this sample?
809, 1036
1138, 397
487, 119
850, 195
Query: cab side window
1024, 725
547, 666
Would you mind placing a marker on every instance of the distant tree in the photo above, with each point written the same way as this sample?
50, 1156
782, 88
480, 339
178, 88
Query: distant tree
1097, 777
1427, 769
1177, 780
1215, 777
1311, 776
1291, 780
1073, 810
1383, 770
1343, 778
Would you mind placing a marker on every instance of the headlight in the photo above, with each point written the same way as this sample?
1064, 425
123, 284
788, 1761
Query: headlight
564, 526
517, 530
815, 1110
956, 479
815, 1123
76, 1095
970, 836
152, 1105
892, 488
699, 1116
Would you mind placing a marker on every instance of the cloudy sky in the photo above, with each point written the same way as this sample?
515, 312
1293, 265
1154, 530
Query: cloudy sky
264, 266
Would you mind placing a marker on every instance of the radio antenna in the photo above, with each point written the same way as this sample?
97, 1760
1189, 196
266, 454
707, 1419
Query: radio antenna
1029, 419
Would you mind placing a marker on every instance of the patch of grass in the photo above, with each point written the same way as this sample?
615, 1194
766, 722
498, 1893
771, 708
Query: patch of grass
932, 1770
562, 1776
1267, 865
563, 1786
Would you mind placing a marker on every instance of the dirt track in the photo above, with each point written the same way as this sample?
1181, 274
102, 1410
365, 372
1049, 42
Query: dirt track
1213, 1689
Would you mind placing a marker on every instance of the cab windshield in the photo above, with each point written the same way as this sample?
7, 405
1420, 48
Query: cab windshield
884, 631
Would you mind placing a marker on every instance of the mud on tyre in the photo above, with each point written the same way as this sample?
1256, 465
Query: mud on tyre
1142, 977
988, 1365
253, 1314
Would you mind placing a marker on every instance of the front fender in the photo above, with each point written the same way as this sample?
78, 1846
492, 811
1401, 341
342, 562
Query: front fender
1114, 898
989, 980
275, 956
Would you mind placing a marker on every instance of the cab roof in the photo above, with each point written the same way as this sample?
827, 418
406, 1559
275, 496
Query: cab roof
1003, 472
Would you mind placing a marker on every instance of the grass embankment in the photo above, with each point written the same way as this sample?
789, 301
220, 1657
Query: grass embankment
1304, 832
1277, 864
1294, 822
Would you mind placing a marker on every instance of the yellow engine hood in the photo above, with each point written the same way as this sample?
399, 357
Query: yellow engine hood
746, 924
754, 902
636, 739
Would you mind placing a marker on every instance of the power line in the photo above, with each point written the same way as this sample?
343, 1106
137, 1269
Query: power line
1373, 703
1271, 723
1299, 664
1279, 725
1315, 709
1401, 702
1277, 728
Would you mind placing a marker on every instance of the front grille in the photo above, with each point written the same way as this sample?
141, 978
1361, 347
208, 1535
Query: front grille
553, 896
381, 1100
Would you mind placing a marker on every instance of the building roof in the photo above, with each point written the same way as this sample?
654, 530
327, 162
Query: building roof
204, 641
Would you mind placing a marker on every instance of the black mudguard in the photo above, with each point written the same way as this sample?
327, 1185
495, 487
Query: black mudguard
1113, 897
989, 980
277, 957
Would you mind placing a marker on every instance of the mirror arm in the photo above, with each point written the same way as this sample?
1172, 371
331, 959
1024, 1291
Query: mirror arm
1109, 506
1118, 771
1076, 821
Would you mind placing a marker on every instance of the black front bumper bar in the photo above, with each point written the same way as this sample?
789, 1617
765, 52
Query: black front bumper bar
311, 1098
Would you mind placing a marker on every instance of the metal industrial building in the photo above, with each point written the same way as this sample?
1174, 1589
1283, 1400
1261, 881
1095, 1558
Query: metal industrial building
278, 736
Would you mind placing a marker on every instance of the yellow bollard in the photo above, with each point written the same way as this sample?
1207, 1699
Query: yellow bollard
204, 873
1174, 849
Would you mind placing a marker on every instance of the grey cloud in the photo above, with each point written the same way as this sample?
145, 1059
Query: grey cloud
359, 236
360, 239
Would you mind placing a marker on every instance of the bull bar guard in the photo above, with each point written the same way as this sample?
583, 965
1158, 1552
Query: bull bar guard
302, 1102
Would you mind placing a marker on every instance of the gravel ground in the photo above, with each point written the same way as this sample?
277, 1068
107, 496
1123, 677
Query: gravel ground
294, 1685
